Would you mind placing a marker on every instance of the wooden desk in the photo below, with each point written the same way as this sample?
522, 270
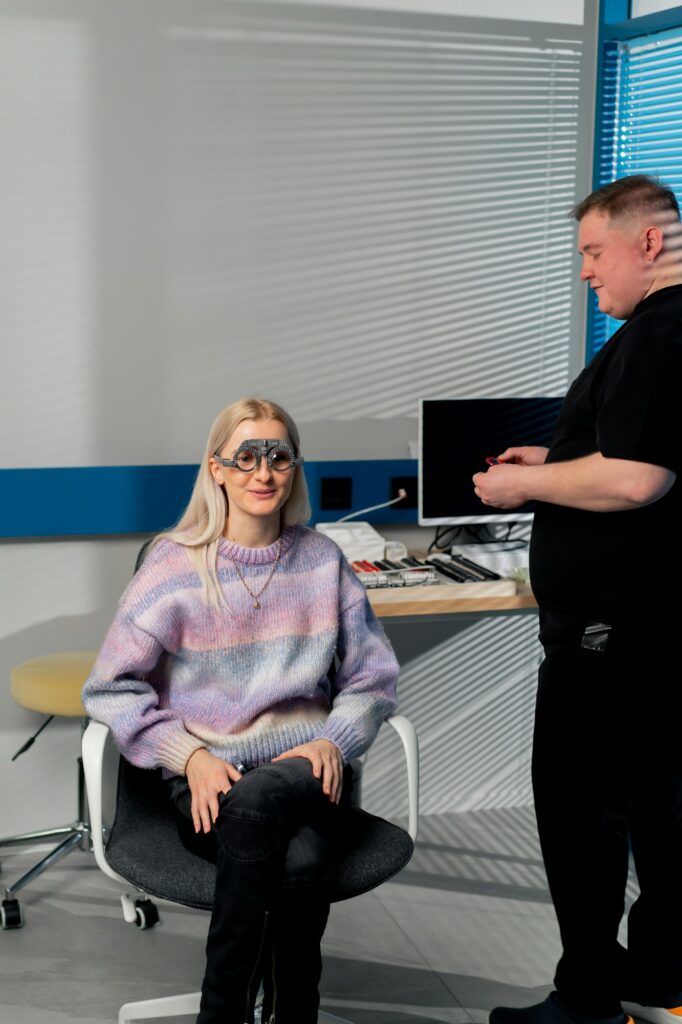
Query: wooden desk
405, 602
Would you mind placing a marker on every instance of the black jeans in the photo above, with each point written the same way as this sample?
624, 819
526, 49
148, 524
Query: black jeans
275, 820
607, 773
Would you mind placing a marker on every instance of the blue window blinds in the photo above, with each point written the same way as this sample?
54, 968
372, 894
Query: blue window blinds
641, 128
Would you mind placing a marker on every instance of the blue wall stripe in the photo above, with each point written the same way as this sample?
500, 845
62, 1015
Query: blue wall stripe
91, 501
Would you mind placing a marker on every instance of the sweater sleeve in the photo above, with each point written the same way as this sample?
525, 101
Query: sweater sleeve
364, 690
119, 693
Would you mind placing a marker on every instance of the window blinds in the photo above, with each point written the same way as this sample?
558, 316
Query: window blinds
642, 133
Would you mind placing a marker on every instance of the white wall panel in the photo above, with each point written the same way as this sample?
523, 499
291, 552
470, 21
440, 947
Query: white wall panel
48, 279
345, 209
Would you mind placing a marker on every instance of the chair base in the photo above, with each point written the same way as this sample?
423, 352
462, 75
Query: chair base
166, 1006
76, 835
176, 1006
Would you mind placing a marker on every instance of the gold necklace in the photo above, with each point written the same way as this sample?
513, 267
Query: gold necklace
254, 597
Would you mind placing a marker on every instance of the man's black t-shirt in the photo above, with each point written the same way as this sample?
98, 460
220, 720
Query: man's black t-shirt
615, 567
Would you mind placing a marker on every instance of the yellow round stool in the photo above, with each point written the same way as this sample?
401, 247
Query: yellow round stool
52, 685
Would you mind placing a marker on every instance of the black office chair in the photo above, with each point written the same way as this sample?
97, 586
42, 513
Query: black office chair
144, 848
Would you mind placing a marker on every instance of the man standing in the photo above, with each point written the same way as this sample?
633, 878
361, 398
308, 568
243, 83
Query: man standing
605, 567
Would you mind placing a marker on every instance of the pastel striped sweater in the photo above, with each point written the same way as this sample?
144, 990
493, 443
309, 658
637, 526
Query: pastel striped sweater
175, 674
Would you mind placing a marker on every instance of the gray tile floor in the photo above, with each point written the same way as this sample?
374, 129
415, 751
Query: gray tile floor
468, 925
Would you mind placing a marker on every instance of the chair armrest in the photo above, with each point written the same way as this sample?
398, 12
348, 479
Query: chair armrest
408, 735
94, 742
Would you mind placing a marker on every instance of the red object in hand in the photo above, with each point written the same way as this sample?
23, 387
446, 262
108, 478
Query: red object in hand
492, 461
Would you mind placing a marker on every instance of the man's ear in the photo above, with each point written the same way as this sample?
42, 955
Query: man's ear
652, 243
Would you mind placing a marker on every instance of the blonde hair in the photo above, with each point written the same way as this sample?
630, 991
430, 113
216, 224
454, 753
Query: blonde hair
200, 527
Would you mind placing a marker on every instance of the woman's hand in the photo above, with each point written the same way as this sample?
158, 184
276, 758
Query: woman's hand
327, 763
528, 455
208, 776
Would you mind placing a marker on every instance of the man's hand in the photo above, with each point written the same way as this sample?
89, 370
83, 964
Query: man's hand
502, 486
528, 455
327, 763
208, 776
593, 482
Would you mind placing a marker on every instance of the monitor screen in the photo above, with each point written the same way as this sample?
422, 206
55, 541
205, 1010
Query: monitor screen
456, 435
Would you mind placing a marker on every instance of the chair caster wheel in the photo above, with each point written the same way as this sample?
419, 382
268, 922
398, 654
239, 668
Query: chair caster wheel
146, 914
11, 915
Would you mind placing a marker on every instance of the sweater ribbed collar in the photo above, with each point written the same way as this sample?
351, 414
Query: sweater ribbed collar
257, 556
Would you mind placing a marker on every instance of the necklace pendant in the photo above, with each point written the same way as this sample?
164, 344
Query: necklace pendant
256, 604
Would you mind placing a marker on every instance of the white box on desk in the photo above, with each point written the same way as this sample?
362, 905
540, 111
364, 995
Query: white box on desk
358, 541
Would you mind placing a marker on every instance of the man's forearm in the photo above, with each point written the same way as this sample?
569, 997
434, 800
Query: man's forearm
598, 484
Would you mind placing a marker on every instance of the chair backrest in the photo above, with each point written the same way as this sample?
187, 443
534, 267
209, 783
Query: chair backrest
142, 554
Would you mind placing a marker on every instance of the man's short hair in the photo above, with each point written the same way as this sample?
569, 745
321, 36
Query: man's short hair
638, 193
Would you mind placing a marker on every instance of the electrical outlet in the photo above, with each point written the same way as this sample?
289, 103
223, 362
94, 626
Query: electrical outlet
336, 493
408, 484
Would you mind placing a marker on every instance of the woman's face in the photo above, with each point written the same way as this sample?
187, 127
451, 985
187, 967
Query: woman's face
262, 492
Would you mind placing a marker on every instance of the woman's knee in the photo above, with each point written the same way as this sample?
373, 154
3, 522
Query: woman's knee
271, 790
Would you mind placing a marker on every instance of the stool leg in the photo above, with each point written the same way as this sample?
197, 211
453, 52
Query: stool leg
36, 837
76, 835
82, 825
52, 857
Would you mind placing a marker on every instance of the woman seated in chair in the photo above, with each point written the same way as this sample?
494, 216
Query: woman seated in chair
218, 668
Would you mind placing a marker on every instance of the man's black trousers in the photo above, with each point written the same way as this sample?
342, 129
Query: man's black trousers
607, 773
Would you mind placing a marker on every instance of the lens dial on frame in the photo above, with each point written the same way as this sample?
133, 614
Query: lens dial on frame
245, 458
280, 458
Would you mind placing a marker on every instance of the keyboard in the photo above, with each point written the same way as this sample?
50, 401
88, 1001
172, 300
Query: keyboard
504, 559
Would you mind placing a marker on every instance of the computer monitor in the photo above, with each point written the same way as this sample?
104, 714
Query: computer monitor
456, 435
